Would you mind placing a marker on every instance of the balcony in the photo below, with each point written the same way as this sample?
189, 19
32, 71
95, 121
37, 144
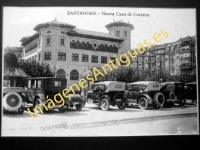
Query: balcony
185, 58
157, 67
152, 61
158, 60
185, 66
188, 50
152, 69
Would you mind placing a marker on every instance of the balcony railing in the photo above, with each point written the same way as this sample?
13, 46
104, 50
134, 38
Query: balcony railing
185, 66
152, 61
188, 50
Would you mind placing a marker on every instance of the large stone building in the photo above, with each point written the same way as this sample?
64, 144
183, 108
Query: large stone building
72, 52
175, 58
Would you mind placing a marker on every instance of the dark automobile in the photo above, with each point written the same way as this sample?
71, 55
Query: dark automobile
107, 93
173, 92
145, 94
191, 91
13, 99
40, 89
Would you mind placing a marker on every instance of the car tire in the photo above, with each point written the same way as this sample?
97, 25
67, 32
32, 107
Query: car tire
143, 103
36, 103
12, 101
105, 104
122, 106
181, 102
159, 99
78, 107
172, 95
62, 109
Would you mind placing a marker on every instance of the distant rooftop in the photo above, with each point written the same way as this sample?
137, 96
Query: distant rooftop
54, 23
119, 23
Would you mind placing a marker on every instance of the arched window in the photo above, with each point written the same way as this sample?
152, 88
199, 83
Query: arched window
83, 44
60, 74
48, 41
74, 75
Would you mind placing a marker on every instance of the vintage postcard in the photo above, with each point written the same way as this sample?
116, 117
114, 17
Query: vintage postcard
99, 71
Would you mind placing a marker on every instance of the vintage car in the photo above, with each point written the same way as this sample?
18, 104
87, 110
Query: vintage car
173, 92
107, 93
191, 91
40, 89
145, 94
13, 99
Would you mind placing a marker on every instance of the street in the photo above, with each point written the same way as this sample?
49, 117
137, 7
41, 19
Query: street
92, 121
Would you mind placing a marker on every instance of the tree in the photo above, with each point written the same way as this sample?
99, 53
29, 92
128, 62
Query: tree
10, 63
35, 69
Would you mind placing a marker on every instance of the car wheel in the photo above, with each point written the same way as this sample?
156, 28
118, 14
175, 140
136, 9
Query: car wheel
181, 102
78, 107
38, 103
21, 110
105, 104
122, 106
172, 95
62, 109
159, 99
143, 103
12, 101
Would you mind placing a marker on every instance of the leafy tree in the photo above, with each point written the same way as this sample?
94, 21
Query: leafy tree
10, 63
35, 69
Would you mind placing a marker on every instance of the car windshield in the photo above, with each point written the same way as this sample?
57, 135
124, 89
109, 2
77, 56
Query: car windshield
136, 87
98, 87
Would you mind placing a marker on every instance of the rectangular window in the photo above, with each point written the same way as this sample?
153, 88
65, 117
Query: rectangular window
117, 33
125, 33
62, 42
18, 55
48, 41
35, 57
47, 55
61, 56
94, 59
32, 57
103, 59
75, 57
84, 58
113, 58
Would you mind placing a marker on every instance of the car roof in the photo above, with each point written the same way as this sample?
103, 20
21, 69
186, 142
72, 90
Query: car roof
170, 82
107, 82
143, 82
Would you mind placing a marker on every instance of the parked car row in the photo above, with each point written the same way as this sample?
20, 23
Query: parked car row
143, 93
36, 92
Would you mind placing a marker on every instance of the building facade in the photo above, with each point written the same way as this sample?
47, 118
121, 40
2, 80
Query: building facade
174, 58
73, 52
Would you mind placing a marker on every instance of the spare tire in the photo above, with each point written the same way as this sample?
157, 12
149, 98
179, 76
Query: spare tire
159, 99
12, 101
172, 95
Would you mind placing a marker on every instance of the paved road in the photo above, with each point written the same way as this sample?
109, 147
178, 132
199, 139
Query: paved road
91, 120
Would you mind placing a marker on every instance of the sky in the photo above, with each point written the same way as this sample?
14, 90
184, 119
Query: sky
19, 22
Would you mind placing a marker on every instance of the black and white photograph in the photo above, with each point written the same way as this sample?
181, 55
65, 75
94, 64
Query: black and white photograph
99, 71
